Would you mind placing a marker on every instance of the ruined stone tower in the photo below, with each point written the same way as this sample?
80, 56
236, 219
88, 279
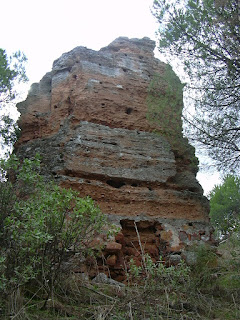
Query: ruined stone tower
88, 120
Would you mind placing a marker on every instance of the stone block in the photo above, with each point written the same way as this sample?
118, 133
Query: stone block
166, 236
113, 247
111, 260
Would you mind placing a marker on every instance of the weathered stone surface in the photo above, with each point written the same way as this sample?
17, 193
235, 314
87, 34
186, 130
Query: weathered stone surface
102, 278
113, 247
127, 172
107, 87
87, 118
111, 260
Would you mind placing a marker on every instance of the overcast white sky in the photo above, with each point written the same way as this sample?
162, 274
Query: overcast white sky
45, 29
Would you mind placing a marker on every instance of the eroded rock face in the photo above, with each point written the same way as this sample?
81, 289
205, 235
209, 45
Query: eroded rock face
87, 118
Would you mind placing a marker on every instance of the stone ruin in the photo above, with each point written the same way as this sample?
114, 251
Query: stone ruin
88, 120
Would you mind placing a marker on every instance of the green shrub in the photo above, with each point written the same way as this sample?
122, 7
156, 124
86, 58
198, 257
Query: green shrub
158, 275
41, 228
205, 268
229, 277
225, 206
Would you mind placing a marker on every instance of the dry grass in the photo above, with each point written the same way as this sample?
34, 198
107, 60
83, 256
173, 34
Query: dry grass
204, 295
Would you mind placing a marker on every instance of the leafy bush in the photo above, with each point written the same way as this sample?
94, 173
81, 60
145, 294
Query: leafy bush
225, 206
229, 277
206, 267
41, 227
157, 274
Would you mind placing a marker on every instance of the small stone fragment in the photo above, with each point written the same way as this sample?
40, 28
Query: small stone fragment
102, 278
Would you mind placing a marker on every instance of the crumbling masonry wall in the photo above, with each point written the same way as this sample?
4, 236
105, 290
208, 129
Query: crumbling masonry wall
88, 120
